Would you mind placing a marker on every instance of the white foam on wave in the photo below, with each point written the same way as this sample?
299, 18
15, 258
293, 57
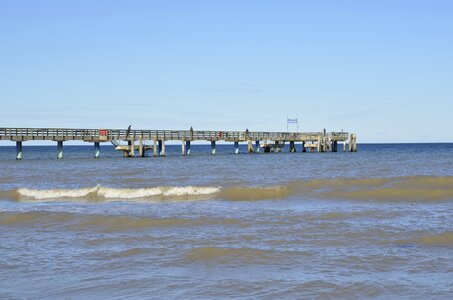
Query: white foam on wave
112, 193
117, 193
190, 191
55, 193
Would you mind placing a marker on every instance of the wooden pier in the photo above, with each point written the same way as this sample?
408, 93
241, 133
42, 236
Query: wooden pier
141, 141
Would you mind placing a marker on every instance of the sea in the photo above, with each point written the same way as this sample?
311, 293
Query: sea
375, 224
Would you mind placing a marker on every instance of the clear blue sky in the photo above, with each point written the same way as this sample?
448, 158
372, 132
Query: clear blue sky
383, 69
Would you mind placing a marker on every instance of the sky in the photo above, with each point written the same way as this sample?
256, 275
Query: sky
382, 69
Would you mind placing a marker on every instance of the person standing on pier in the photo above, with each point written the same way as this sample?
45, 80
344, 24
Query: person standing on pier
128, 131
191, 132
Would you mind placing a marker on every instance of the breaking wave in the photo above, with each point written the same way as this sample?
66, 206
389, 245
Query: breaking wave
406, 189
100, 193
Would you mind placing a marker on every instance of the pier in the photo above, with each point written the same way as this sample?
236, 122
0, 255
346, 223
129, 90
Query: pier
139, 142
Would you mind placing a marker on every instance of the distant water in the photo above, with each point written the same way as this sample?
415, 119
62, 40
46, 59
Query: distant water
373, 224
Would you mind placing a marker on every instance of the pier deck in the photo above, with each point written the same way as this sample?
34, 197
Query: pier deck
136, 139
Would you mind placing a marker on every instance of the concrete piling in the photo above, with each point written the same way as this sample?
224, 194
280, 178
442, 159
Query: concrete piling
141, 151
19, 150
236, 147
59, 149
183, 148
257, 146
188, 147
303, 147
161, 147
213, 150
319, 144
127, 153
155, 147
353, 143
132, 147
292, 147
97, 150
250, 147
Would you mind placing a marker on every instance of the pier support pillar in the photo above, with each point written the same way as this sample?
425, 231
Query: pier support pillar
236, 147
344, 146
335, 146
213, 147
353, 143
257, 146
292, 147
250, 147
19, 150
183, 148
161, 147
60, 149
303, 147
319, 144
141, 153
277, 147
188, 147
132, 147
155, 147
97, 150
127, 153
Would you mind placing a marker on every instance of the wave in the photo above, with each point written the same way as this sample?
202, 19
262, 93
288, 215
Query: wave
442, 239
54, 193
406, 189
125, 253
105, 223
254, 193
239, 256
100, 193
228, 255
24, 218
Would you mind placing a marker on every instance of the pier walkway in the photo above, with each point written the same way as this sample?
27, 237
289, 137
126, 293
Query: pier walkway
147, 140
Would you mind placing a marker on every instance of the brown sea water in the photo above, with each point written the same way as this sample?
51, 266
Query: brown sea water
373, 224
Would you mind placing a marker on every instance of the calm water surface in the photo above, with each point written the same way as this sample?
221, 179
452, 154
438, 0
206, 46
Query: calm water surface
373, 224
